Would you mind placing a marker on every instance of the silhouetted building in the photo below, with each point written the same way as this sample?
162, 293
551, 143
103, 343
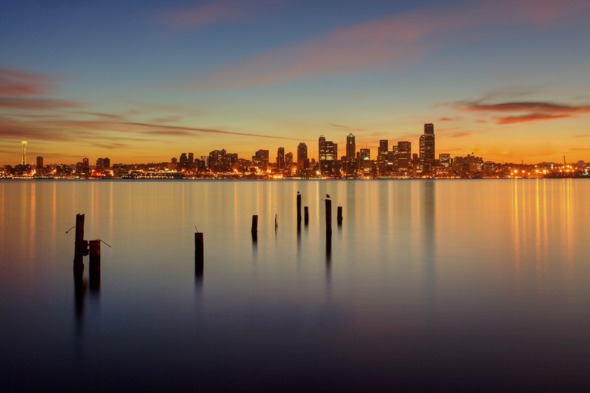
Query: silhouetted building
103, 163
40, 168
260, 159
302, 160
427, 148
404, 154
288, 160
281, 158
350, 147
444, 159
328, 154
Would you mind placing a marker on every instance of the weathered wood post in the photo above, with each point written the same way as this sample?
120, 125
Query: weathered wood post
199, 255
298, 209
80, 245
254, 229
306, 212
339, 217
94, 265
328, 216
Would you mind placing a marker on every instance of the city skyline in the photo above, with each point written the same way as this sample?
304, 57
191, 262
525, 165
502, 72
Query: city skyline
500, 80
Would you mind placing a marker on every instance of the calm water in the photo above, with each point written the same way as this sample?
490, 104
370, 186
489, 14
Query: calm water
427, 286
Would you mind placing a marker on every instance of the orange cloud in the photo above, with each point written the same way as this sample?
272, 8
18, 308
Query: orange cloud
529, 110
18, 83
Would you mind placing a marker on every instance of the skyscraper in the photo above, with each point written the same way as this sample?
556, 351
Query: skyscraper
302, 162
328, 154
382, 151
40, 168
350, 147
281, 158
427, 148
404, 155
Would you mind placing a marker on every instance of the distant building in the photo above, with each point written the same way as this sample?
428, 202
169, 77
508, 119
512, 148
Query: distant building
302, 160
281, 158
427, 148
260, 159
40, 168
350, 147
444, 159
328, 154
288, 160
404, 156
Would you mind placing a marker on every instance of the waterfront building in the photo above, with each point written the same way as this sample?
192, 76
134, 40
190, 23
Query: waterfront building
302, 160
281, 158
427, 149
328, 155
350, 147
404, 154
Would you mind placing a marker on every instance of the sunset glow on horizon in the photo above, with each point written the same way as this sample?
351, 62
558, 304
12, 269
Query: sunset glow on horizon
505, 80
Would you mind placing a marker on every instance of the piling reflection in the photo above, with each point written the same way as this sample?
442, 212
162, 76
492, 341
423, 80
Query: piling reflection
79, 296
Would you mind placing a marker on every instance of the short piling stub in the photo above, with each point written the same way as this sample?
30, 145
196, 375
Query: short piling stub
306, 214
94, 265
199, 254
328, 216
254, 229
339, 217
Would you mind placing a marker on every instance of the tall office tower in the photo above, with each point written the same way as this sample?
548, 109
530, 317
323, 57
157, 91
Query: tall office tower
404, 155
40, 167
382, 151
182, 161
288, 160
302, 156
328, 154
24, 157
191, 160
86, 165
350, 147
427, 148
99, 163
281, 158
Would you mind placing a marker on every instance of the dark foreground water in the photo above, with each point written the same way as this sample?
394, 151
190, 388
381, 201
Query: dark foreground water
427, 286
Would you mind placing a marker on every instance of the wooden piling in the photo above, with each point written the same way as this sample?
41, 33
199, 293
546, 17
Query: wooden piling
339, 217
299, 209
328, 216
254, 229
94, 265
306, 212
199, 254
80, 245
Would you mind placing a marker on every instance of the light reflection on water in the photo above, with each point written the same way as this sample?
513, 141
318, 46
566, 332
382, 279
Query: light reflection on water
427, 285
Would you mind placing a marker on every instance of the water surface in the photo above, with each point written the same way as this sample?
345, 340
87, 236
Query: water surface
427, 286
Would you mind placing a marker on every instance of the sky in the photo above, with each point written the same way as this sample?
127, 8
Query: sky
144, 81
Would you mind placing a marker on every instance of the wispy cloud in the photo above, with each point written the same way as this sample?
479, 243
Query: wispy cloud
101, 131
458, 135
36, 103
17, 83
22, 90
214, 12
389, 43
525, 111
